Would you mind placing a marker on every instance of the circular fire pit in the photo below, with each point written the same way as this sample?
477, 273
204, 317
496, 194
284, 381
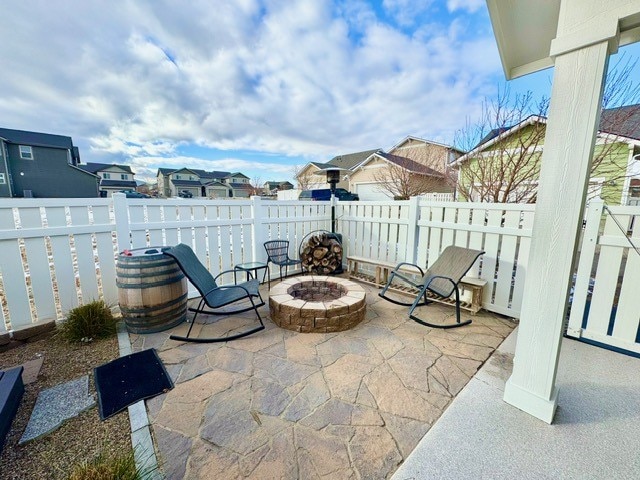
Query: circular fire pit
317, 304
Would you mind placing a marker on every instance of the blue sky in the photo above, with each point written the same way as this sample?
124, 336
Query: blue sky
256, 86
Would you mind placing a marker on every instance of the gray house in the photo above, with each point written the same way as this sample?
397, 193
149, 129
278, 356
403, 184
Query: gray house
113, 178
42, 165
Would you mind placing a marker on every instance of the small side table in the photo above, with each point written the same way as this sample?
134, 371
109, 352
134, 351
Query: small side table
252, 267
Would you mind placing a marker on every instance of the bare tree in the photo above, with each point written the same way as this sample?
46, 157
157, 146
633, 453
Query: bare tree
508, 170
304, 179
401, 182
256, 187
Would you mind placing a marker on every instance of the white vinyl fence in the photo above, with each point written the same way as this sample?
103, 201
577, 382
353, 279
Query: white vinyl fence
606, 301
59, 253
417, 231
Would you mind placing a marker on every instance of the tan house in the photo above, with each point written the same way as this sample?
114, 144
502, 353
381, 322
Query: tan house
308, 180
412, 167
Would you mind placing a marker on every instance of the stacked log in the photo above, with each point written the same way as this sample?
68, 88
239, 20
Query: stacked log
321, 255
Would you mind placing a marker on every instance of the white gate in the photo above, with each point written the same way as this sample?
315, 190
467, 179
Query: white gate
610, 313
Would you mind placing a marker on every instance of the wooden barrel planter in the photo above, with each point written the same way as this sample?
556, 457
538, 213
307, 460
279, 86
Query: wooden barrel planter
152, 290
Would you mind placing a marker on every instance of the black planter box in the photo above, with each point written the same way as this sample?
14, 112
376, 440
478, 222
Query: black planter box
11, 391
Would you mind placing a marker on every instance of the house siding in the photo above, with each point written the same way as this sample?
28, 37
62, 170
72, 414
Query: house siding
49, 174
612, 167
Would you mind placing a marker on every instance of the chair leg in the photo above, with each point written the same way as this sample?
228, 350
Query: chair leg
435, 325
230, 337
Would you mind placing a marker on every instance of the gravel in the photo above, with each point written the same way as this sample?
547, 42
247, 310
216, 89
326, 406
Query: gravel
80, 438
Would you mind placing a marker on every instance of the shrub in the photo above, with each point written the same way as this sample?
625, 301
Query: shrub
122, 467
89, 321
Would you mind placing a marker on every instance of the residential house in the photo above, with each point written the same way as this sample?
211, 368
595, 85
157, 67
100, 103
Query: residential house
240, 185
414, 166
505, 165
36, 164
272, 188
202, 184
308, 180
113, 178
384, 175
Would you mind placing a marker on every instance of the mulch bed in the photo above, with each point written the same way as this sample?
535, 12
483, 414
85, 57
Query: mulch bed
81, 438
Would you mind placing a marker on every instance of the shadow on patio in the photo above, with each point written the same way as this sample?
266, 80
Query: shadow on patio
281, 404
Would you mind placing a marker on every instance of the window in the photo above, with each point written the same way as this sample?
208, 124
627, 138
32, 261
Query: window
106, 176
26, 153
2, 180
124, 176
177, 177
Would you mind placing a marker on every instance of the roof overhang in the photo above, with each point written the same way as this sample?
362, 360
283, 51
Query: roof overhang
530, 33
524, 30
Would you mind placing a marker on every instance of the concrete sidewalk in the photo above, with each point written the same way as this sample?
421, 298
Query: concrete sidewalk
594, 435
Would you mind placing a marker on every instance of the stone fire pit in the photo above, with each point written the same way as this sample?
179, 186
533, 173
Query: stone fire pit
317, 304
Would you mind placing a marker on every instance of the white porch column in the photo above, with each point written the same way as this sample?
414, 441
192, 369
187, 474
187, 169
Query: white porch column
566, 161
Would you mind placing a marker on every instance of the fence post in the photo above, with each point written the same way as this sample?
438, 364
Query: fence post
585, 262
260, 234
121, 215
412, 229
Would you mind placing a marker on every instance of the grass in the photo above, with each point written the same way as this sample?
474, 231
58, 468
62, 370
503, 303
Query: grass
87, 322
102, 467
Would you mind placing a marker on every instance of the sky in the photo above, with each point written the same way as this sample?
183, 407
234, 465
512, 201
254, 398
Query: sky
256, 86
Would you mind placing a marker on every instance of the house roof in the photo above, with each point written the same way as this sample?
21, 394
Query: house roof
418, 139
119, 183
36, 139
348, 161
240, 186
186, 183
98, 167
271, 185
236, 174
623, 121
408, 164
215, 183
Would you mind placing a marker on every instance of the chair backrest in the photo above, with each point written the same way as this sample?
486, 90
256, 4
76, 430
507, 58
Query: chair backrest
277, 250
194, 270
454, 263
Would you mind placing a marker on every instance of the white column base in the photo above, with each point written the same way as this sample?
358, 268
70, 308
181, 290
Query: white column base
529, 402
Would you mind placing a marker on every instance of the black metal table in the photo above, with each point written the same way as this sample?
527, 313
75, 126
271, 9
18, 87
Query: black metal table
252, 267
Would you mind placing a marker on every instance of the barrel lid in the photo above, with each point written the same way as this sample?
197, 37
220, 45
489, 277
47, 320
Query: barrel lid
147, 252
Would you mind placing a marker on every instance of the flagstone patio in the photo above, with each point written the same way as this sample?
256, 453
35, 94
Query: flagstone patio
281, 404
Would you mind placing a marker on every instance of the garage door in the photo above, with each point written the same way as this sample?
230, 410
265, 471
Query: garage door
370, 191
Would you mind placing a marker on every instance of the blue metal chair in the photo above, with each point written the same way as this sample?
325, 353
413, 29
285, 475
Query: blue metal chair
278, 254
213, 295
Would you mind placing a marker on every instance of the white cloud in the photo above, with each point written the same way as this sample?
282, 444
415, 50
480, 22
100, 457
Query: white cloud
470, 6
293, 78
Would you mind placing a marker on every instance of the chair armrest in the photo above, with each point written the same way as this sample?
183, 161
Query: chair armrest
400, 265
233, 271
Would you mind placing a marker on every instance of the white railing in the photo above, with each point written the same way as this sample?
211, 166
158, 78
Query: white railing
606, 306
62, 252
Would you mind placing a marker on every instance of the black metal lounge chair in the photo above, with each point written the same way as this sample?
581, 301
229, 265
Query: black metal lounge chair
278, 254
441, 279
212, 295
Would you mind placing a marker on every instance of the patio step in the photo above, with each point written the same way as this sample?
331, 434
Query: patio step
11, 390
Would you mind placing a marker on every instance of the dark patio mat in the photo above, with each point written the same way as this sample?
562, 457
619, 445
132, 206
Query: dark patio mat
128, 379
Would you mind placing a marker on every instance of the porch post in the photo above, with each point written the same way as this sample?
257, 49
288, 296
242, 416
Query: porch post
566, 162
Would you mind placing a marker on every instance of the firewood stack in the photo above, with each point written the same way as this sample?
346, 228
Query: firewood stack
321, 255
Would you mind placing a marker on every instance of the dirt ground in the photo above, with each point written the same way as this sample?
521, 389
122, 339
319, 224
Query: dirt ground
54, 455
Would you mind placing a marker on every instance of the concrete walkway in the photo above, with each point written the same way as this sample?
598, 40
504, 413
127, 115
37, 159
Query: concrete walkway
594, 435
280, 404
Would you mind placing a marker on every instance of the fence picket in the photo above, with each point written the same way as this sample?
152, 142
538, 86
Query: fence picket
62, 260
13, 275
606, 281
37, 262
506, 260
84, 256
489, 259
105, 249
